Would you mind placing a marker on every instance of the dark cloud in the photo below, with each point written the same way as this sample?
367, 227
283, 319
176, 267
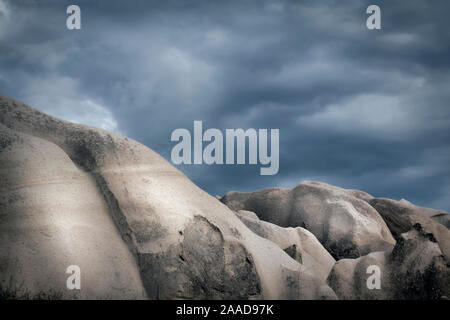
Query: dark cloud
356, 108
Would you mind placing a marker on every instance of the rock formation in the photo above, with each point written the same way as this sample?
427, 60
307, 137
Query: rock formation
346, 225
415, 269
136, 226
299, 243
401, 216
73, 195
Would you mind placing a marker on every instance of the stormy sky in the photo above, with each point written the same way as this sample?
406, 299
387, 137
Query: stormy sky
357, 108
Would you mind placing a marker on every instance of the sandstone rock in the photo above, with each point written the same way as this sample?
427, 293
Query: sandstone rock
248, 214
415, 269
346, 225
52, 216
72, 194
299, 243
401, 215
348, 278
442, 218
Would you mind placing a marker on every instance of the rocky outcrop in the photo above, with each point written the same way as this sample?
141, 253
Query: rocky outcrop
415, 269
52, 216
136, 226
402, 215
73, 195
299, 243
342, 220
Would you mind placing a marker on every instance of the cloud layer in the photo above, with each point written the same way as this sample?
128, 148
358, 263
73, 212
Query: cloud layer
356, 108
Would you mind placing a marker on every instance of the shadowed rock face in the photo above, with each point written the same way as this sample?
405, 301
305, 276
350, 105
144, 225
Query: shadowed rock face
342, 220
415, 269
137, 227
401, 216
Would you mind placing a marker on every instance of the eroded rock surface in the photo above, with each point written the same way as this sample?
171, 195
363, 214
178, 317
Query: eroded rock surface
299, 243
52, 215
342, 220
442, 218
415, 269
402, 215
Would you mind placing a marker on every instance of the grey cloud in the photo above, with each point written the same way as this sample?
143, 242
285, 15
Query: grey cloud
357, 108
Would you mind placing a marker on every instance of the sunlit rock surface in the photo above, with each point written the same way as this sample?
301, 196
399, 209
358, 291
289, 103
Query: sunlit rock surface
299, 243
